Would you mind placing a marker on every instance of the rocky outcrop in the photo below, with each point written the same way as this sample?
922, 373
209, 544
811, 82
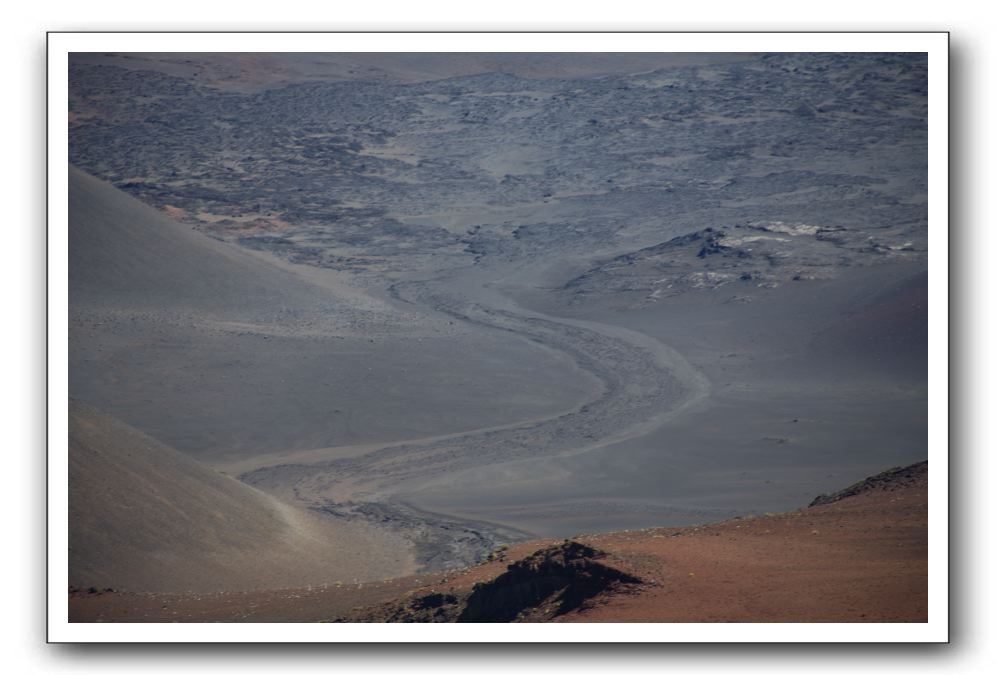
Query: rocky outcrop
761, 254
893, 479
551, 582
554, 580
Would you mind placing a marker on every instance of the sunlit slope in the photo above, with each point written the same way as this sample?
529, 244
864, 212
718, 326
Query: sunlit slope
144, 517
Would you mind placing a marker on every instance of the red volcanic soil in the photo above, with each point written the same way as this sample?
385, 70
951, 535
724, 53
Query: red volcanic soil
861, 557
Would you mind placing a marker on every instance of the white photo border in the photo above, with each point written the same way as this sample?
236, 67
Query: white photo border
935, 44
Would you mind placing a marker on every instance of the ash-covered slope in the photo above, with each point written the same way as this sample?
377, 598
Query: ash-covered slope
124, 253
143, 517
220, 351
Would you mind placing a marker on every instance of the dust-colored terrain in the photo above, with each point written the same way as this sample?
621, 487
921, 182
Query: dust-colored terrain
862, 557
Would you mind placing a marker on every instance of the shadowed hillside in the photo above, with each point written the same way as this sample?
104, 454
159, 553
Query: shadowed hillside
127, 254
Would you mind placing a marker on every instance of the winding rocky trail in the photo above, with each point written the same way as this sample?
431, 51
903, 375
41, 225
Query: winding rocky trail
643, 383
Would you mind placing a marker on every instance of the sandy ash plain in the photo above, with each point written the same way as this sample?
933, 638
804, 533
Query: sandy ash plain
344, 318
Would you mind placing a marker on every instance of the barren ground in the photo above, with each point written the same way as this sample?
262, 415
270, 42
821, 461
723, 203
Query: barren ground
470, 301
863, 558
